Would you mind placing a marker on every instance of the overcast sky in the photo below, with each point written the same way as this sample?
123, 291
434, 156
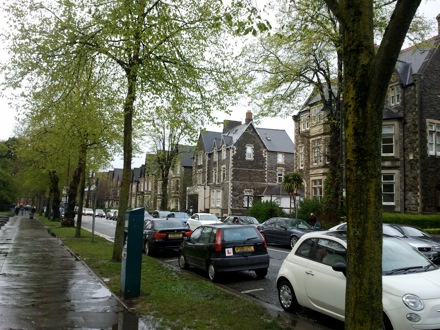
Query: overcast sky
430, 8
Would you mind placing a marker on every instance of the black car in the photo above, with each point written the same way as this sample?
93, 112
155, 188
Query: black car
225, 248
284, 231
163, 234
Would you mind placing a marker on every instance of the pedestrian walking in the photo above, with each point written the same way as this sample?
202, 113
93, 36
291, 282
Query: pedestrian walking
313, 220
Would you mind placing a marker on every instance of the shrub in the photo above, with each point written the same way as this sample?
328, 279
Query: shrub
307, 206
265, 210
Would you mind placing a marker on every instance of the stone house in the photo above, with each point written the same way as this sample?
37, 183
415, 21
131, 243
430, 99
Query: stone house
233, 168
410, 135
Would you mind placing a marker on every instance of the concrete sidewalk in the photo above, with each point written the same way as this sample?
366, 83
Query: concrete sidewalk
43, 286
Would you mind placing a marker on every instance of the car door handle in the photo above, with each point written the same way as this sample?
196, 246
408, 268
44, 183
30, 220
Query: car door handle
310, 272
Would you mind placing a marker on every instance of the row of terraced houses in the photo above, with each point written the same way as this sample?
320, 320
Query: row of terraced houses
225, 172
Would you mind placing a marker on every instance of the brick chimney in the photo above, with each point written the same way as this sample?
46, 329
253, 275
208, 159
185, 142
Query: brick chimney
248, 117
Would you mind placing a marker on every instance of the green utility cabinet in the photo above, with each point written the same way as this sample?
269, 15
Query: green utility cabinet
132, 253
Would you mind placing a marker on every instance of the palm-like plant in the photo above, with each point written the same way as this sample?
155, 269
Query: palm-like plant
291, 183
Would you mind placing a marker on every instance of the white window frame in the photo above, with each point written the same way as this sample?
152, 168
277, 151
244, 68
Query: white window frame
250, 193
316, 151
388, 133
214, 175
223, 174
199, 177
280, 158
249, 152
223, 152
280, 175
317, 188
305, 122
433, 128
388, 188
200, 158
394, 95
301, 156
215, 156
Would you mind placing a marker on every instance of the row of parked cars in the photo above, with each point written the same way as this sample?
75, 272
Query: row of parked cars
313, 275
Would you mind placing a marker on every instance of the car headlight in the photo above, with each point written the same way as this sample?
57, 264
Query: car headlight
436, 248
413, 302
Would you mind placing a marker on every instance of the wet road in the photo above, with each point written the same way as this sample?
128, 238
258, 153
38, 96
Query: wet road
43, 286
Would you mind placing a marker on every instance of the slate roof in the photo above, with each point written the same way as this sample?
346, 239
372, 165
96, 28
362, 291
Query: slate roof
276, 140
411, 60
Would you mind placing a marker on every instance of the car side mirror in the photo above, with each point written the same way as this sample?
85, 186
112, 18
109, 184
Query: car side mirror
340, 267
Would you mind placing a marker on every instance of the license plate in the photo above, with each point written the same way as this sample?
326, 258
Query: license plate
179, 235
239, 249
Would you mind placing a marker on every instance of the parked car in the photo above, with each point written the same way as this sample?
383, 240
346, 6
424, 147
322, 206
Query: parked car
163, 234
420, 234
182, 216
225, 248
284, 231
99, 213
87, 211
160, 214
198, 219
313, 276
242, 220
147, 215
427, 248
110, 214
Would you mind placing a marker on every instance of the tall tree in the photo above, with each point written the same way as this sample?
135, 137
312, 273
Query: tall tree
367, 71
292, 182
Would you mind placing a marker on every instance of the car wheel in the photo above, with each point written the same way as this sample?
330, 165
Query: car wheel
287, 297
293, 241
212, 273
182, 262
387, 323
147, 249
261, 273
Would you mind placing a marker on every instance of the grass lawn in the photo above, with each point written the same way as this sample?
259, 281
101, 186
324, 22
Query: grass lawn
171, 298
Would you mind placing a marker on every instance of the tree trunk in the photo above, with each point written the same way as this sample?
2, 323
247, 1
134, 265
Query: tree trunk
126, 171
69, 217
82, 188
366, 77
56, 195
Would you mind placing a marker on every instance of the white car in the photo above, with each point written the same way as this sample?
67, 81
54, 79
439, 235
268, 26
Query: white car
313, 276
198, 219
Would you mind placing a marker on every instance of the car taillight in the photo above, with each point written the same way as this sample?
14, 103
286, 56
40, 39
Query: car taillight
160, 235
188, 233
265, 244
218, 241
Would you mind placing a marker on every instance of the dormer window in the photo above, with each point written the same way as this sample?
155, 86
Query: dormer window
223, 152
305, 122
394, 95
215, 155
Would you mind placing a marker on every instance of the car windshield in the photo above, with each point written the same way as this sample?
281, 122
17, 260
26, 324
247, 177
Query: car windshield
180, 215
167, 224
391, 231
207, 217
297, 224
411, 231
249, 220
399, 257
240, 233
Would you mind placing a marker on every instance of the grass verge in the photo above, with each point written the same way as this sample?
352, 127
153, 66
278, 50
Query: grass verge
171, 298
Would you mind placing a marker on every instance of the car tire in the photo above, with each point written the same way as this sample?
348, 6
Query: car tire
387, 323
212, 272
148, 250
261, 273
293, 241
287, 297
182, 262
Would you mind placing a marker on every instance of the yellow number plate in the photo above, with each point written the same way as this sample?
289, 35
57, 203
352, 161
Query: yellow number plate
239, 249
175, 235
